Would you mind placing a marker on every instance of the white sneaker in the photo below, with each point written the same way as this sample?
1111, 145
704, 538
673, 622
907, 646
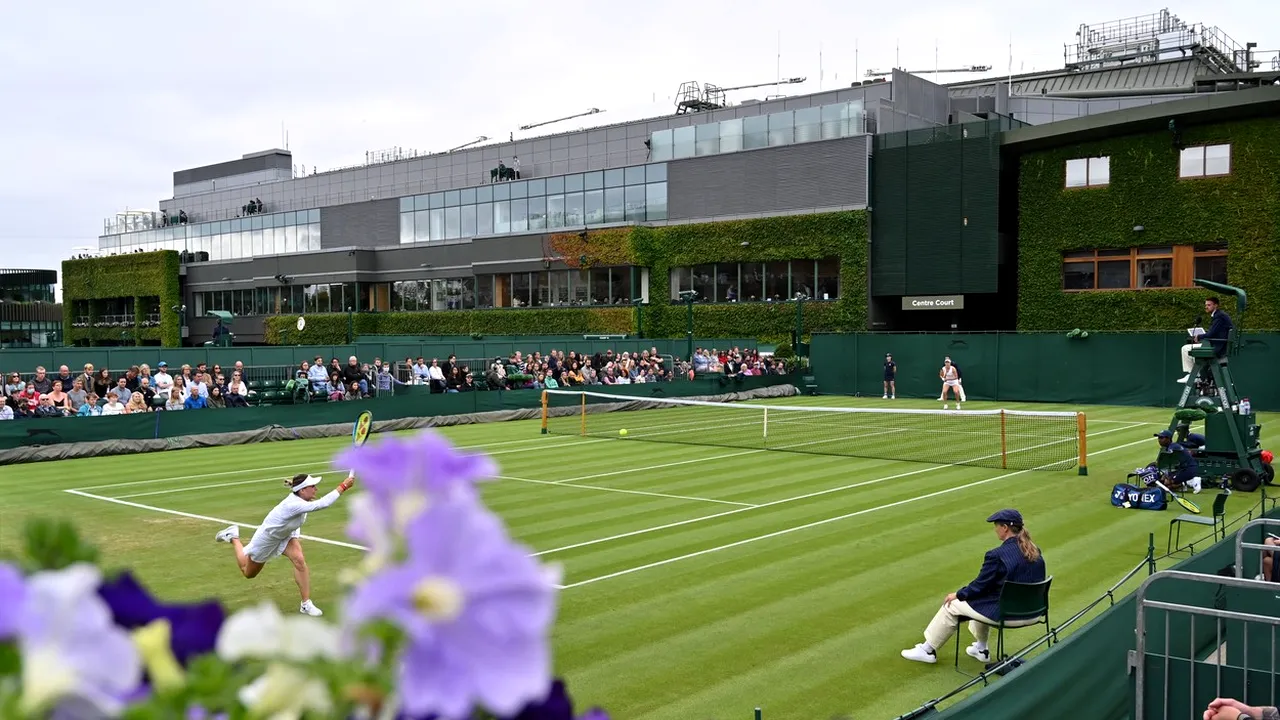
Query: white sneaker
957, 406
1260, 576
919, 654
945, 406
884, 397
229, 534
309, 608
1195, 485
893, 397
984, 654
1183, 380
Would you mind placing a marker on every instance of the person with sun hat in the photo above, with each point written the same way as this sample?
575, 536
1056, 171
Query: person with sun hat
281, 534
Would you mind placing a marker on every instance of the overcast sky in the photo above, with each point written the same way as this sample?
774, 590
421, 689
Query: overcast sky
101, 102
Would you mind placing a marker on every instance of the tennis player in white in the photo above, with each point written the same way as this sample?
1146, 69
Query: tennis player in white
281, 534
950, 379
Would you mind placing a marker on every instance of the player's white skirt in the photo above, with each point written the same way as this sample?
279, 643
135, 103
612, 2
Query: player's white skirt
953, 383
262, 548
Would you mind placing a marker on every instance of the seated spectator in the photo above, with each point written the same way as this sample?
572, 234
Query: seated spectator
46, 408
1016, 559
6, 412
334, 387
318, 376
131, 378
162, 381
64, 377
180, 384
352, 373
57, 397
29, 400
1230, 709
216, 399
468, 384
14, 385
195, 401
90, 407
86, 377
77, 395
137, 404
353, 392
113, 406
175, 401
43, 383
236, 385
102, 383
121, 390
145, 390
550, 382
539, 382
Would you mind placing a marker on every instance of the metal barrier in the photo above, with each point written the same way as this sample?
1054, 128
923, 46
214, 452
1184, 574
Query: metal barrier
1203, 654
1241, 544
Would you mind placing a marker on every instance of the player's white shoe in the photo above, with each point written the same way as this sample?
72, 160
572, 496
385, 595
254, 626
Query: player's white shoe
309, 608
920, 654
229, 534
957, 406
946, 406
893, 397
884, 397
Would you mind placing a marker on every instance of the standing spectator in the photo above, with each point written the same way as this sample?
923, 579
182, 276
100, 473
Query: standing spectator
162, 381
43, 383
113, 406
6, 412
890, 378
77, 395
386, 380
102, 383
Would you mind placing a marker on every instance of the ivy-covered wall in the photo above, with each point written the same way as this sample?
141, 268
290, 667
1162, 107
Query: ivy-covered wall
1241, 209
791, 237
131, 275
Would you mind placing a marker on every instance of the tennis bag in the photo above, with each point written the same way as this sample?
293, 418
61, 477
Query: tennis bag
1147, 497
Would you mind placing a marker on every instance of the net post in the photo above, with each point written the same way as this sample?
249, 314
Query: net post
765, 426
544, 412
1004, 443
1082, 433
583, 429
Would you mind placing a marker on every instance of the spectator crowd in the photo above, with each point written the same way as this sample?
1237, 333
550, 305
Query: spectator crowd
139, 389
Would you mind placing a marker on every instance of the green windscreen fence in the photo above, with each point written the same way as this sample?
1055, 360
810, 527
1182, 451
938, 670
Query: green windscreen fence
934, 229
1102, 369
151, 425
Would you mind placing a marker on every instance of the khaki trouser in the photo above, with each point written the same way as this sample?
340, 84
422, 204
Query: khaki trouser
947, 621
1188, 362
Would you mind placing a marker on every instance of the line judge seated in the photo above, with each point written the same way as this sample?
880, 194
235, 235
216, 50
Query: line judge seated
1218, 336
1015, 559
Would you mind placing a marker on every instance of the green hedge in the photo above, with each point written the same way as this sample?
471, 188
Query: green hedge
1240, 210
792, 237
131, 275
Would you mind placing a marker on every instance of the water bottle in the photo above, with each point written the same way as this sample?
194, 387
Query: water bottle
1245, 408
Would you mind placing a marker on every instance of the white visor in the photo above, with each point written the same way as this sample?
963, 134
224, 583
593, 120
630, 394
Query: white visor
311, 481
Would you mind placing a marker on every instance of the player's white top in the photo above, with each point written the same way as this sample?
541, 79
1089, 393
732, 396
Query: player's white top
948, 372
287, 517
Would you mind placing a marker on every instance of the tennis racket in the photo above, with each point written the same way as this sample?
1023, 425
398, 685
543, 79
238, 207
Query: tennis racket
360, 431
1181, 500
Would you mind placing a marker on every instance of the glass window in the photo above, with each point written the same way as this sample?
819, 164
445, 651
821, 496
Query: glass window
537, 187
313, 216
468, 221
520, 290
555, 185
593, 207
436, 200
828, 283
802, 278
755, 132
707, 139
599, 292
502, 191
1212, 267
1155, 272
452, 198
422, 226
541, 289
704, 282
681, 280
397, 296
484, 194
776, 286
502, 217
782, 128
467, 196
635, 199
633, 175
613, 178
255, 222
484, 219
256, 239
655, 173
558, 287
519, 215
726, 284
421, 202
1099, 171
661, 145
1114, 274
537, 213
1077, 276
620, 285
452, 223
291, 234
573, 183
615, 206
594, 180
656, 201
406, 204
519, 190
1217, 160
555, 211
685, 141
580, 286
437, 223
484, 291
808, 124
730, 135
573, 210
1077, 172
752, 275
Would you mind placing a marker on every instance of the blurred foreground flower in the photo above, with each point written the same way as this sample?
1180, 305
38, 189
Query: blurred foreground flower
557, 706
70, 647
13, 593
262, 633
193, 629
286, 692
476, 611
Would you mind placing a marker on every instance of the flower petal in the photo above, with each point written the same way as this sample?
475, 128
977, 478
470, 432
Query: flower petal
255, 632
13, 593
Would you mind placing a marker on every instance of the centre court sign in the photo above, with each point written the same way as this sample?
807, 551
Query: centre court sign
933, 302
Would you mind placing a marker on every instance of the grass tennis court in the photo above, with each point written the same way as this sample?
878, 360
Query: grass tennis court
700, 581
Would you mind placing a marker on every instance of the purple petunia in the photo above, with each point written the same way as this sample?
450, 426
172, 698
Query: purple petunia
194, 628
425, 463
476, 610
13, 592
557, 705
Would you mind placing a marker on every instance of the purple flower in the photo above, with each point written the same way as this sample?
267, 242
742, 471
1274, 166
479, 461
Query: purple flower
557, 705
476, 610
13, 592
193, 628
426, 463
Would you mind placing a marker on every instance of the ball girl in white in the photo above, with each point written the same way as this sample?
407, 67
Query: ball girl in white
281, 534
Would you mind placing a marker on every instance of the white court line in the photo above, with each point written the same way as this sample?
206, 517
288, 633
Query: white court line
771, 503
316, 464
745, 506
220, 521
806, 526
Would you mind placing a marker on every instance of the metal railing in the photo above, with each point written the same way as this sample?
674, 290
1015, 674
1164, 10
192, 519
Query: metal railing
1219, 658
1241, 545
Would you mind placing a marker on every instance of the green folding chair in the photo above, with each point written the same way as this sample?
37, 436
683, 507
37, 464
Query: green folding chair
1217, 521
1020, 603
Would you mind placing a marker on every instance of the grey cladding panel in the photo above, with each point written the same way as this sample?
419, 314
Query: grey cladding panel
793, 177
234, 167
365, 224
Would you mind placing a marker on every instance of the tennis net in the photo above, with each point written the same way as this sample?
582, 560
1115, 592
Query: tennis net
1005, 439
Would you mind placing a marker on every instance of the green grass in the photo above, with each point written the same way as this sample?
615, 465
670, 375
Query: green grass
798, 607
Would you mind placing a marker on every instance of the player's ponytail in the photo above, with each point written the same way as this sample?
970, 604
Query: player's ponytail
1028, 548
296, 480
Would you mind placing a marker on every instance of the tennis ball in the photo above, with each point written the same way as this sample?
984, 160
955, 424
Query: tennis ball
622, 432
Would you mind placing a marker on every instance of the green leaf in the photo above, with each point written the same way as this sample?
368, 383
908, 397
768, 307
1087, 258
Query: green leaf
53, 545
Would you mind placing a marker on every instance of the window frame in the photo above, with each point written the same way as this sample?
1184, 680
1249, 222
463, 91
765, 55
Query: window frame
1204, 173
1178, 256
1088, 172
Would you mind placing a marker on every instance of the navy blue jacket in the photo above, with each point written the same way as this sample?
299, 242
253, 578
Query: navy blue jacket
1005, 562
1186, 467
1219, 332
